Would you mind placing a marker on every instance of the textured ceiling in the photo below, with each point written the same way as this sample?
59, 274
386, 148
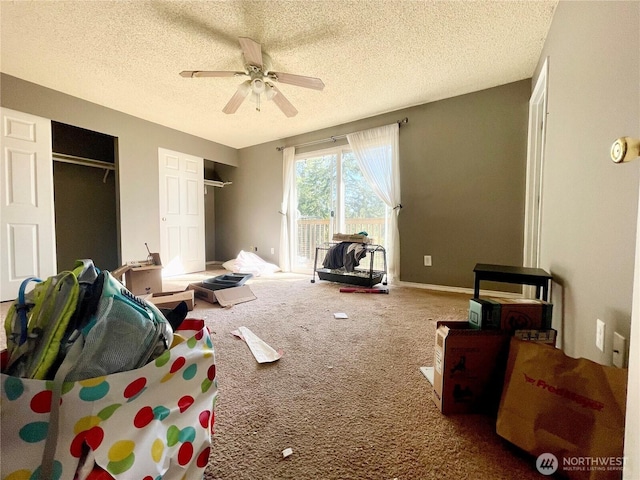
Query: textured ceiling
374, 56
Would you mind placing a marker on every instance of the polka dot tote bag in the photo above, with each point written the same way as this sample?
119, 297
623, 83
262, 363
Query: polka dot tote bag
151, 423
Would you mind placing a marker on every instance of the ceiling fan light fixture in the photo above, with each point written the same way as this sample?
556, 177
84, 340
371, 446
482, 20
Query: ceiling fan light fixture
258, 68
245, 87
269, 91
257, 85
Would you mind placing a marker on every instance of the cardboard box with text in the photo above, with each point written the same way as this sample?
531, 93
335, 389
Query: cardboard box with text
469, 367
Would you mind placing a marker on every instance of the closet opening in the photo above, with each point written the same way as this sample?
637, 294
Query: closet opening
212, 183
85, 196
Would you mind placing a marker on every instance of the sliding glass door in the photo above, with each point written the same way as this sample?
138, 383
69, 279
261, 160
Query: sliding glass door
332, 196
316, 192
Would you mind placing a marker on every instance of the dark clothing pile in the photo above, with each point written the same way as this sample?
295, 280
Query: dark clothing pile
345, 255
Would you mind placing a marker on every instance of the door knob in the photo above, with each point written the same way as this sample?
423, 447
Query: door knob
625, 149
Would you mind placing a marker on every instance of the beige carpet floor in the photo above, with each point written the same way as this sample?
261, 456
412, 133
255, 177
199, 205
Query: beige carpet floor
347, 396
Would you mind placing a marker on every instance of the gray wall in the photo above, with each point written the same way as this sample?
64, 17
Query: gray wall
589, 203
462, 170
138, 142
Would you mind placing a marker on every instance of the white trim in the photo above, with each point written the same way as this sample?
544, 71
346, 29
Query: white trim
535, 163
469, 291
632, 425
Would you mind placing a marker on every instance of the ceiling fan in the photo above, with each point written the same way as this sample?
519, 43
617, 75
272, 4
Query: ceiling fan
261, 78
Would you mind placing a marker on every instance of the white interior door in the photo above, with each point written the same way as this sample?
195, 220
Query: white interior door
182, 238
27, 220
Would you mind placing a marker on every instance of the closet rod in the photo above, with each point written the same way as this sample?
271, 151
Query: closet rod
87, 162
216, 183
334, 138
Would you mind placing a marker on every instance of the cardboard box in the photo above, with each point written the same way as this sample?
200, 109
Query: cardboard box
510, 314
121, 270
144, 280
484, 314
469, 366
225, 297
353, 237
171, 299
232, 296
203, 293
547, 337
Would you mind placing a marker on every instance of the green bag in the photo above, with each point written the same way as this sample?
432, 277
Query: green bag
37, 320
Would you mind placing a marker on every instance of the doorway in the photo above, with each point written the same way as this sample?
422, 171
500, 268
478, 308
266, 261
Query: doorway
52, 219
85, 198
182, 228
535, 159
535, 163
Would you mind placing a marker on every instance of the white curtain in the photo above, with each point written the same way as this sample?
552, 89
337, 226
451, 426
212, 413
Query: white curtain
376, 151
286, 224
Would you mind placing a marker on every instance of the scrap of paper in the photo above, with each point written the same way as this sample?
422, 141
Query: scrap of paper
340, 315
287, 452
262, 352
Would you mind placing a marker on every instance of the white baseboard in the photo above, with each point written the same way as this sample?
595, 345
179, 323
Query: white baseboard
469, 291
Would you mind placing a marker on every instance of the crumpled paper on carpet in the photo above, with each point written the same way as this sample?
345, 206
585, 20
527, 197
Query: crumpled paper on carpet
262, 352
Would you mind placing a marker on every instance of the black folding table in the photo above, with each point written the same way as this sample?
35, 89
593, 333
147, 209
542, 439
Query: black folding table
511, 274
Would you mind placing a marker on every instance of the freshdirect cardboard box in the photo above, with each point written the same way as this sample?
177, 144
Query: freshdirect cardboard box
510, 314
469, 366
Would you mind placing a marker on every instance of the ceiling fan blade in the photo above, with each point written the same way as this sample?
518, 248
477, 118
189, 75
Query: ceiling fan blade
252, 51
298, 80
283, 104
237, 99
208, 73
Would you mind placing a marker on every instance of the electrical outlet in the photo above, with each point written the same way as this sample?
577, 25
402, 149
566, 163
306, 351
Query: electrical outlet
619, 350
273, 251
600, 334
427, 260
